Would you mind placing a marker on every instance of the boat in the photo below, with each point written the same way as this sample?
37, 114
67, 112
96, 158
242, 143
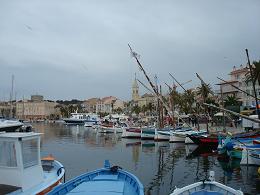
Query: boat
10, 125
189, 141
163, 134
106, 181
209, 186
213, 140
182, 136
233, 147
250, 157
133, 132
81, 119
147, 133
21, 169
256, 141
112, 127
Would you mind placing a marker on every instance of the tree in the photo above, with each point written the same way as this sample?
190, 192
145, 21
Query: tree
255, 73
150, 107
231, 101
204, 90
136, 109
186, 101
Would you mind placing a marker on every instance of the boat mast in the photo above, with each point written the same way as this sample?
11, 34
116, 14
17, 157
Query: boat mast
11, 98
251, 73
155, 92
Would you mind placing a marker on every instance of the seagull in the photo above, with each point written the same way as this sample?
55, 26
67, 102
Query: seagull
30, 28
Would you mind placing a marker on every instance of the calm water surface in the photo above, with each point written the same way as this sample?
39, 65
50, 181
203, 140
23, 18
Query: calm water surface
160, 166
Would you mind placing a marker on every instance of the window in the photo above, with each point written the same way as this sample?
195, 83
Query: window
30, 152
7, 154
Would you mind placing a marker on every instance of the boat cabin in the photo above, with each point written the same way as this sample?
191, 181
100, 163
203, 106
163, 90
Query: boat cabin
20, 163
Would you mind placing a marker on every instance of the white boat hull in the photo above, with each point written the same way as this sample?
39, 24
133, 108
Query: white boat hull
130, 134
177, 138
106, 130
161, 136
250, 157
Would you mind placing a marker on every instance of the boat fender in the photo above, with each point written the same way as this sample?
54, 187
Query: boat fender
115, 168
258, 170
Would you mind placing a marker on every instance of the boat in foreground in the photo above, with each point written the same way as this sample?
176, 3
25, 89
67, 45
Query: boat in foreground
105, 181
9, 125
209, 187
21, 169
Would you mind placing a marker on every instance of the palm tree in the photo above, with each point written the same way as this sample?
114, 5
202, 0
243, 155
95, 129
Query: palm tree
255, 73
186, 101
231, 101
204, 91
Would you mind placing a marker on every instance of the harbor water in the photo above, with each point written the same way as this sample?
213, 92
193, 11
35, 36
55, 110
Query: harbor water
160, 166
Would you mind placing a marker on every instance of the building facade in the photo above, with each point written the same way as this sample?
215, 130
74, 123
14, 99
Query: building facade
90, 105
238, 79
35, 109
109, 104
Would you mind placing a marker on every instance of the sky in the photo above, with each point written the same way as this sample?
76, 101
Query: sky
77, 49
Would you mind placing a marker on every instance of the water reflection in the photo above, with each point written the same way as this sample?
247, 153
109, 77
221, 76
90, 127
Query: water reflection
160, 165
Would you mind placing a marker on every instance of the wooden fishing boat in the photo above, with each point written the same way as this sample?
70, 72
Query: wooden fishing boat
162, 135
131, 133
181, 136
148, 133
212, 140
209, 186
256, 141
21, 169
105, 181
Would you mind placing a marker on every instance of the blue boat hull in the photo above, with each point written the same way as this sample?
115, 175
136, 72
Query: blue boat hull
105, 181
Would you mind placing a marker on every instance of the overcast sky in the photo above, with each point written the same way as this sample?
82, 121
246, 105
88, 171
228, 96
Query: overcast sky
66, 49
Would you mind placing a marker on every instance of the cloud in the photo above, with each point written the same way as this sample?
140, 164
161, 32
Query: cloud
79, 48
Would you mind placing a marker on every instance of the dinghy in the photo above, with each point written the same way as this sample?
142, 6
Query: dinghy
105, 181
209, 187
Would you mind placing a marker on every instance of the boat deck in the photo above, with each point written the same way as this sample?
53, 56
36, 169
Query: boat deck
104, 184
6, 189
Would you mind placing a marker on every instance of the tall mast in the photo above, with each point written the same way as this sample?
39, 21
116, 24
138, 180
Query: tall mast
11, 98
251, 73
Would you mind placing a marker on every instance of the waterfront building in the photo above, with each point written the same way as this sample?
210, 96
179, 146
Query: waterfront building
238, 79
108, 104
5, 109
90, 105
35, 109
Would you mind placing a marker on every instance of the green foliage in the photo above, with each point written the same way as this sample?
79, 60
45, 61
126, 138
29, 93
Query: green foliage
136, 109
185, 101
255, 73
204, 91
231, 101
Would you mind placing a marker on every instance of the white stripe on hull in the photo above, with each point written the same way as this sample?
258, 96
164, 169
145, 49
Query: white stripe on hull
127, 134
174, 138
162, 137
